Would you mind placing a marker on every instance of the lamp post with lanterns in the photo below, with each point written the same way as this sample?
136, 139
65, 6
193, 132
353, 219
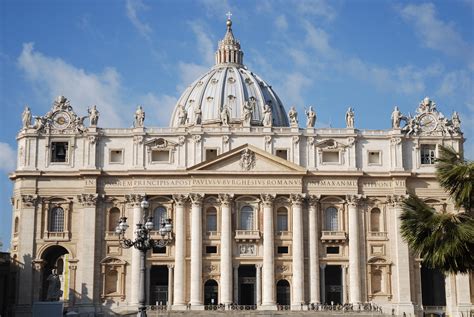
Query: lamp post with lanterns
143, 242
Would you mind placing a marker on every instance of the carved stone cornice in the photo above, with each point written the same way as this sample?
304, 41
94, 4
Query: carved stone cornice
267, 199
29, 200
180, 199
297, 199
226, 199
88, 200
313, 200
354, 200
196, 199
134, 200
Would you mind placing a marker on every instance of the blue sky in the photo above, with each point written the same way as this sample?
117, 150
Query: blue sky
370, 55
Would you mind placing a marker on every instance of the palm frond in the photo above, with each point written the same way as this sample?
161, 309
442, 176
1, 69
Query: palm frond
444, 240
456, 176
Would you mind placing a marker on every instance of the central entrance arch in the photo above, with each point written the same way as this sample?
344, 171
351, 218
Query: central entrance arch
56, 258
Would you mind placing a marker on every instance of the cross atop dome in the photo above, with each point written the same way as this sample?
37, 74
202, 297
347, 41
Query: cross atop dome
228, 51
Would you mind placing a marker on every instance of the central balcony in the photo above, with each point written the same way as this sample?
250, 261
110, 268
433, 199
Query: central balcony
247, 235
333, 236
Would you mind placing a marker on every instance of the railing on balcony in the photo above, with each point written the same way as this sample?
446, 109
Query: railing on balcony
56, 236
333, 235
247, 235
435, 310
111, 235
283, 234
212, 234
378, 235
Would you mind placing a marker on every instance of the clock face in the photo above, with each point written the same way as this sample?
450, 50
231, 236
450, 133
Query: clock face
428, 122
61, 120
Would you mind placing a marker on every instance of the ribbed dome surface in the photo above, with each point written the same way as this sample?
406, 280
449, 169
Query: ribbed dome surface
228, 84
231, 85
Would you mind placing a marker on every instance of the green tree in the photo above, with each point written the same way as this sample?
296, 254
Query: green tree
445, 241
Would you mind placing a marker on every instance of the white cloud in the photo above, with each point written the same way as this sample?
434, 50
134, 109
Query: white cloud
7, 158
456, 82
295, 84
318, 39
319, 8
53, 77
132, 8
188, 73
217, 8
159, 108
281, 23
435, 33
205, 45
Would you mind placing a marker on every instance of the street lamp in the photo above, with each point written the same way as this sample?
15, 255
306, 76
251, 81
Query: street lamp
143, 242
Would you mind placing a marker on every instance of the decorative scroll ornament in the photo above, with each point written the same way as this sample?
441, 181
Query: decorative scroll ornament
225, 139
226, 199
29, 200
247, 160
354, 199
61, 119
429, 121
134, 199
180, 199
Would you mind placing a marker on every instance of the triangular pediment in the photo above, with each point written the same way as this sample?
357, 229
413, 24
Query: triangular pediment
248, 159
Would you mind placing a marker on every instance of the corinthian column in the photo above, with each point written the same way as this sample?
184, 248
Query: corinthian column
87, 265
354, 250
298, 253
313, 249
226, 249
268, 276
402, 261
196, 250
179, 253
134, 201
26, 248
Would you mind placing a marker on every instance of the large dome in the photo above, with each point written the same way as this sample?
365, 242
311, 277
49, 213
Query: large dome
229, 83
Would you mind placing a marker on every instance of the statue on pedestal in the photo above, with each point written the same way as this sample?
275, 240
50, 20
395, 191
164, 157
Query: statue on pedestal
182, 115
396, 116
93, 116
350, 118
247, 111
26, 117
225, 115
54, 287
311, 117
197, 115
293, 116
139, 118
267, 116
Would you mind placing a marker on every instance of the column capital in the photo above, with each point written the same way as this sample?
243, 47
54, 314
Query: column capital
297, 199
258, 266
226, 199
180, 199
170, 266
354, 200
88, 200
313, 200
30, 200
267, 199
134, 200
396, 200
196, 199
322, 266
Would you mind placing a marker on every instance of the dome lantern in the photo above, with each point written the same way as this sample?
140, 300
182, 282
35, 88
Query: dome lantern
228, 50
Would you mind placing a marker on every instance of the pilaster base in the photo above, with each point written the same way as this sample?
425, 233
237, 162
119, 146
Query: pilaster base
405, 308
179, 307
267, 307
299, 307
197, 307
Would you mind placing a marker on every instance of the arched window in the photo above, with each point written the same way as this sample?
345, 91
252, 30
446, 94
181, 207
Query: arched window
331, 221
376, 281
283, 292
211, 293
56, 221
211, 219
159, 216
114, 218
375, 220
246, 218
16, 225
111, 282
282, 219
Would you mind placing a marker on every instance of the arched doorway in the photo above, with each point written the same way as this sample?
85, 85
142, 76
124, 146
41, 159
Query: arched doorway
55, 258
283, 292
211, 292
432, 287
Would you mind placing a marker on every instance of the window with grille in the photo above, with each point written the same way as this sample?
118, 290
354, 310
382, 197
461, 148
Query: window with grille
211, 220
331, 222
56, 223
428, 154
246, 218
282, 219
159, 216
